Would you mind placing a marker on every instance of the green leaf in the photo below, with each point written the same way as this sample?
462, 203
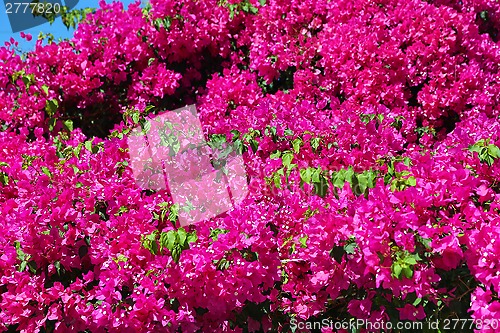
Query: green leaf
253, 10
396, 270
176, 253
315, 143
32, 266
338, 179
22, 267
321, 187
475, 148
192, 237
174, 213
410, 261
275, 155
380, 118
366, 118
494, 151
182, 234
362, 183
135, 117
171, 240
350, 248
484, 15
305, 175
4, 178
348, 175
425, 241
45, 89
46, 171
408, 272
146, 126
262, 2
411, 181
214, 233
28, 79
316, 175
51, 106
296, 144
68, 124
303, 241
287, 158
371, 178
88, 145
254, 144
57, 265
277, 179
273, 131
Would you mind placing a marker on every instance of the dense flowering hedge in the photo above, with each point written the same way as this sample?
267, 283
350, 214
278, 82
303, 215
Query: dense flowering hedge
370, 133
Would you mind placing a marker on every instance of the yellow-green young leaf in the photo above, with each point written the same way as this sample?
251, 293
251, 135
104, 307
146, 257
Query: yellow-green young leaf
182, 235
396, 270
296, 144
338, 179
494, 151
287, 158
303, 241
4, 179
371, 178
135, 118
46, 171
408, 272
362, 182
275, 155
348, 174
45, 89
88, 145
176, 253
192, 237
305, 175
394, 185
277, 180
68, 124
163, 240
315, 143
315, 175
171, 240
146, 126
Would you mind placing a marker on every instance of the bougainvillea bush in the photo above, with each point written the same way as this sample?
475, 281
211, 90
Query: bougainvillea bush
370, 134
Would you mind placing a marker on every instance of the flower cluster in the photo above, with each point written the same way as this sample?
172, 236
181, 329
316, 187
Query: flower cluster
370, 134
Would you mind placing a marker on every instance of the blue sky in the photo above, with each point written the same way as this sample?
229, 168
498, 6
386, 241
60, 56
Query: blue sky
57, 28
